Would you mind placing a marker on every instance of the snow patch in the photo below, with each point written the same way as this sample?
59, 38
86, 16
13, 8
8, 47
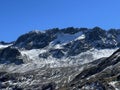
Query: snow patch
80, 37
92, 55
113, 84
35, 62
66, 38
4, 46
33, 54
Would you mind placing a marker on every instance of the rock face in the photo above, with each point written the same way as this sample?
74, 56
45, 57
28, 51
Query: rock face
72, 40
77, 47
62, 59
10, 55
34, 40
102, 74
99, 75
92, 35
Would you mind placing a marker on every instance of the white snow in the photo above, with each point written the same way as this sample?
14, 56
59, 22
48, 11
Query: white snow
33, 54
102, 52
4, 46
80, 37
58, 46
85, 57
65, 38
35, 62
92, 55
113, 84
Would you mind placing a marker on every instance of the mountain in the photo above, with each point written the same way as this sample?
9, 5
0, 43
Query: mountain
61, 59
101, 75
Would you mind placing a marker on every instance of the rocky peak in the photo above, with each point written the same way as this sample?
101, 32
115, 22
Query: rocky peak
34, 32
64, 59
33, 40
73, 40
96, 34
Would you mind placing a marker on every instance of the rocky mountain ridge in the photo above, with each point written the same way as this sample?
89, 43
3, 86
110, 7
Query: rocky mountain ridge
61, 59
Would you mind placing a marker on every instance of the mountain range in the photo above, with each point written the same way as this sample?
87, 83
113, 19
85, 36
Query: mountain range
62, 59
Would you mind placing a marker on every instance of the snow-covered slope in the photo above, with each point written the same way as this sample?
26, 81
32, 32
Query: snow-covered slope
66, 38
63, 48
80, 59
5, 46
58, 56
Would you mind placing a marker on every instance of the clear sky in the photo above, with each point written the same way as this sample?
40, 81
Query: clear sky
20, 16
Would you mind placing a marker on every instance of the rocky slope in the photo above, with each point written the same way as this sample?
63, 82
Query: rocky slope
61, 59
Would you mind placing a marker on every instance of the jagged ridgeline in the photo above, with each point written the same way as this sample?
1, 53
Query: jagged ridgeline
96, 37
62, 59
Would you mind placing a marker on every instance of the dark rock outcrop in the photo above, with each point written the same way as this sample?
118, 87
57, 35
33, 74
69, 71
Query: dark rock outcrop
10, 55
34, 40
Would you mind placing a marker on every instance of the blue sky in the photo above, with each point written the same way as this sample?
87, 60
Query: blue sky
20, 16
